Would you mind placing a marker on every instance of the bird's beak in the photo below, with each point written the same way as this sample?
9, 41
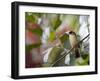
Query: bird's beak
67, 33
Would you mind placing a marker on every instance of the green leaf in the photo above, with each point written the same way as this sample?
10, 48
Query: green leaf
64, 38
84, 60
30, 17
31, 46
61, 62
55, 21
54, 54
52, 36
65, 41
37, 31
84, 56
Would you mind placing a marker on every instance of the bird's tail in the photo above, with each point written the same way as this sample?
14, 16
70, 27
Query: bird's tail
77, 53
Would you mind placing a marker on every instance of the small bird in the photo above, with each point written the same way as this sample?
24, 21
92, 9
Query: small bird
73, 42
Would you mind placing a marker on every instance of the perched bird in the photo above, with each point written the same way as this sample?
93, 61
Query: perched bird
73, 42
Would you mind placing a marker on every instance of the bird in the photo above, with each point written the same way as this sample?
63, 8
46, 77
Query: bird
73, 42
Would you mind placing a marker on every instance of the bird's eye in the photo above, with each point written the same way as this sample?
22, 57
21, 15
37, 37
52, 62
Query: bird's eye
70, 32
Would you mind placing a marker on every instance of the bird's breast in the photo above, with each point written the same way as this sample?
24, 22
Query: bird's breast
73, 40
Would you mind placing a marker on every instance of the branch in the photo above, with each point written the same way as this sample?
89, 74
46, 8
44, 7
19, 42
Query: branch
83, 39
69, 51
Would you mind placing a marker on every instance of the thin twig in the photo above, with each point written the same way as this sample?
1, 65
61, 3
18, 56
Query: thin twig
84, 38
69, 51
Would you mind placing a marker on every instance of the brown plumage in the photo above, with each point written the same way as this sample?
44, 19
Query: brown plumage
73, 42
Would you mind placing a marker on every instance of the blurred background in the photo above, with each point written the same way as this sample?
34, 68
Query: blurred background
46, 40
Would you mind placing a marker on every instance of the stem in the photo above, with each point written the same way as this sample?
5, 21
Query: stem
69, 51
83, 39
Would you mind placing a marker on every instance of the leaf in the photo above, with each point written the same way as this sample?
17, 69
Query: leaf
84, 60
84, 56
37, 31
52, 36
54, 20
61, 62
56, 23
30, 17
64, 38
65, 41
53, 56
31, 46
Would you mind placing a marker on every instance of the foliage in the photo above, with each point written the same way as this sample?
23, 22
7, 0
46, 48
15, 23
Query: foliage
55, 22
37, 31
52, 36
